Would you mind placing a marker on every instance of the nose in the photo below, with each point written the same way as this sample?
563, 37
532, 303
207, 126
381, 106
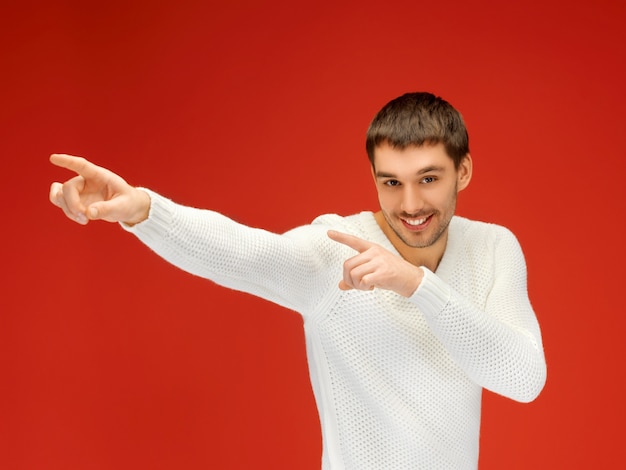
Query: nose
412, 202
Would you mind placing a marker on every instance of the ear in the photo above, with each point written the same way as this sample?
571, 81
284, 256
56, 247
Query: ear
464, 173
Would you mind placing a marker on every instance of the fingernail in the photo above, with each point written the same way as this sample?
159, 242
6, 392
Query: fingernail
80, 218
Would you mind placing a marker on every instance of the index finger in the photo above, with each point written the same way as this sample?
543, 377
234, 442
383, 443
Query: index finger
353, 242
78, 165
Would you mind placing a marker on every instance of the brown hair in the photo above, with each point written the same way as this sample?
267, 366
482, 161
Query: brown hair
419, 119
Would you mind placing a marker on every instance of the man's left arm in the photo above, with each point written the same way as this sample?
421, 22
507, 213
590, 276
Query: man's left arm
499, 347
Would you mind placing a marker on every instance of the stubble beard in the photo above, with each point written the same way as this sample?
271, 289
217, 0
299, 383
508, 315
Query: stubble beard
416, 240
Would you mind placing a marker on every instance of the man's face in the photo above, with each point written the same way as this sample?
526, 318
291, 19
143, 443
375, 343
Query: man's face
417, 190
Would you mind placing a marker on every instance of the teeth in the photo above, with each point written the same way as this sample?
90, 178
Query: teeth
416, 221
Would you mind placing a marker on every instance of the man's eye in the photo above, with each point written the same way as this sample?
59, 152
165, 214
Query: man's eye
428, 179
392, 183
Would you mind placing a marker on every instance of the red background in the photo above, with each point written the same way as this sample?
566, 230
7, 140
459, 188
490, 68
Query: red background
112, 359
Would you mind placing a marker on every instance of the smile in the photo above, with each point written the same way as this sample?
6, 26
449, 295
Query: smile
415, 221
416, 224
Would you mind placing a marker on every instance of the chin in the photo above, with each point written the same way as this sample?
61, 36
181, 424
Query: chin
424, 239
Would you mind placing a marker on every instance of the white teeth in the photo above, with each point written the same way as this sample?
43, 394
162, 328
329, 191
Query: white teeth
416, 221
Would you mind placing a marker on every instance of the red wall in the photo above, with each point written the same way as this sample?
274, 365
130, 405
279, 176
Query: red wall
112, 359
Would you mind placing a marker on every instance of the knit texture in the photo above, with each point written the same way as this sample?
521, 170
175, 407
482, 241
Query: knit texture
398, 382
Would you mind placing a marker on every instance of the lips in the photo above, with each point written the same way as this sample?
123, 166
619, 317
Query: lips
416, 224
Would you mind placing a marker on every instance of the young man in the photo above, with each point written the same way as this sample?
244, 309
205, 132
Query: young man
408, 312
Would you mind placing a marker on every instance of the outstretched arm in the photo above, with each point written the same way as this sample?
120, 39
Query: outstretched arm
202, 242
96, 193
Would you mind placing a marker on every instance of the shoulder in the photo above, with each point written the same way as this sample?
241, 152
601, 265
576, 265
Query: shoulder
362, 225
315, 235
474, 229
356, 224
482, 237
336, 220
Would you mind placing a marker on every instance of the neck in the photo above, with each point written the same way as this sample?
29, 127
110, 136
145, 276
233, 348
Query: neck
429, 256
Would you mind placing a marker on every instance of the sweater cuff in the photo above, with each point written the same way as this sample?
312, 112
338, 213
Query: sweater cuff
432, 295
159, 219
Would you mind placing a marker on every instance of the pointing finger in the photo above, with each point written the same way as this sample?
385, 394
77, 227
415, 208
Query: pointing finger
353, 242
78, 165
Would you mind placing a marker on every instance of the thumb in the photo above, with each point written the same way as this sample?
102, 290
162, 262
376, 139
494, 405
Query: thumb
343, 285
102, 210
129, 208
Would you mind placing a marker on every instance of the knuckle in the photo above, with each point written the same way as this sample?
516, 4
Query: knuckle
376, 250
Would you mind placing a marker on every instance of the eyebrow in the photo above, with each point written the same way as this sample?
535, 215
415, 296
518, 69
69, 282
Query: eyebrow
428, 169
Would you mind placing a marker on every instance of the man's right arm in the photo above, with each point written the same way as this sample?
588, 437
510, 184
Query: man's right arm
289, 269
279, 268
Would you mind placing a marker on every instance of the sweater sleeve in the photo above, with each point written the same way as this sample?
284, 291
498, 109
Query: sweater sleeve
278, 268
499, 347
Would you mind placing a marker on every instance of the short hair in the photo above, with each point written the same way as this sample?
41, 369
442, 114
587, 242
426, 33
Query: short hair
416, 119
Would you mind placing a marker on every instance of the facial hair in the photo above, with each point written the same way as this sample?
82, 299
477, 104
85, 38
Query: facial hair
410, 239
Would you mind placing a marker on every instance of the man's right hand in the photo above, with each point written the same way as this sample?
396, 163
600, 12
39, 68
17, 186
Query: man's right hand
96, 193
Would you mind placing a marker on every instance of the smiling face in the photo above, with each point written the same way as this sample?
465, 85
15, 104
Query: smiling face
417, 191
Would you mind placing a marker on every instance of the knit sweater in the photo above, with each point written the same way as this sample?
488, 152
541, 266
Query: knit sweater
397, 381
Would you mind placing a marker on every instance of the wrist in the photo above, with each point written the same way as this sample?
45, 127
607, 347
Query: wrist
141, 203
413, 282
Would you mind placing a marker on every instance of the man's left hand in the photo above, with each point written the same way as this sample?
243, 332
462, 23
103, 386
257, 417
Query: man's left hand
376, 267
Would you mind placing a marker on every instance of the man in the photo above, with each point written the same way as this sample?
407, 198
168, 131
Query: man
430, 308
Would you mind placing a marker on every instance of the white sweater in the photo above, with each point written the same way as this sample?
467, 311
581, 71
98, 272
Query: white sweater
398, 382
